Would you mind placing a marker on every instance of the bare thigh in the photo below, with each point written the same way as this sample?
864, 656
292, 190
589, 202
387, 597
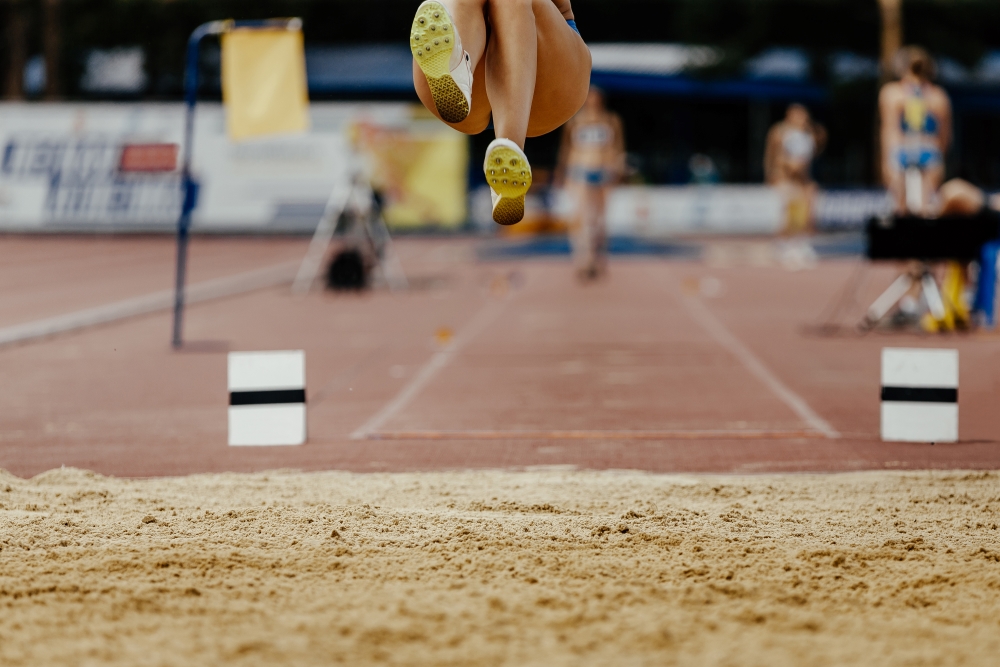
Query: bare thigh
561, 82
933, 178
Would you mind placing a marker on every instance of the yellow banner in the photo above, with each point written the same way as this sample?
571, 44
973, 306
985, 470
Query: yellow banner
421, 171
264, 82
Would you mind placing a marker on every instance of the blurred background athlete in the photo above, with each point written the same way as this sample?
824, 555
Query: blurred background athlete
591, 161
916, 133
792, 145
521, 60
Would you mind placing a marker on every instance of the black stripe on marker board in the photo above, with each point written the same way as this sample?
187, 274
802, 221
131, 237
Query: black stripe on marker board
267, 397
920, 394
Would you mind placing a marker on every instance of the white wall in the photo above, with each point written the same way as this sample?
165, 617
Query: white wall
58, 167
695, 209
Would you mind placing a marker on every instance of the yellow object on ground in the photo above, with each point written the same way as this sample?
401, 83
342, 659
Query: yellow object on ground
264, 82
956, 309
444, 336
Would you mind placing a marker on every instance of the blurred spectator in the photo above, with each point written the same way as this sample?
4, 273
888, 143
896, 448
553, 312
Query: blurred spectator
959, 197
703, 169
591, 160
120, 71
792, 145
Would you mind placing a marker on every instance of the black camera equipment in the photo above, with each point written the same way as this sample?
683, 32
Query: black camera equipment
924, 240
953, 237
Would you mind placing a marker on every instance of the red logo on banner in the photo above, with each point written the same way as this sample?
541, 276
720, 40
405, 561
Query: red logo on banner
148, 157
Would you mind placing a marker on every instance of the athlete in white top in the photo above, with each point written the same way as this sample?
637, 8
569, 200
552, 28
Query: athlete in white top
523, 61
792, 145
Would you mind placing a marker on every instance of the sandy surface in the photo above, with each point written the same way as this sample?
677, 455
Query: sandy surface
543, 567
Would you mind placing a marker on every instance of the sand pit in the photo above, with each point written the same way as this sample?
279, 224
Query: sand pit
542, 567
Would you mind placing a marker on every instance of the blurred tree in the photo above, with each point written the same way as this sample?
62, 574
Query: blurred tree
961, 29
892, 34
17, 48
52, 46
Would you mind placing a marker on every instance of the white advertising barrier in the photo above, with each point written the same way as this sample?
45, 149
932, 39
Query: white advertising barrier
695, 209
59, 167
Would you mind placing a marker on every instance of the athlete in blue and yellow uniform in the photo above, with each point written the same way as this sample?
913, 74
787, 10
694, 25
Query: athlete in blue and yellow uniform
916, 133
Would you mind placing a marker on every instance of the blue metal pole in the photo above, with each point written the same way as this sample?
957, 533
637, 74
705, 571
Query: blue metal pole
188, 184
986, 289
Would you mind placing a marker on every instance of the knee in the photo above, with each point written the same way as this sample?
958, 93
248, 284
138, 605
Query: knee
473, 125
477, 121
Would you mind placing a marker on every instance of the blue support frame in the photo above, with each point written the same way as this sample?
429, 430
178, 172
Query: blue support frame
188, 185
986, 288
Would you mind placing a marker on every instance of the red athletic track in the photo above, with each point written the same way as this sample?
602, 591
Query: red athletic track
618, 374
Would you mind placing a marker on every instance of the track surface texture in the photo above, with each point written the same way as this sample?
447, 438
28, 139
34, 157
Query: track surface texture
501, 568
665, 366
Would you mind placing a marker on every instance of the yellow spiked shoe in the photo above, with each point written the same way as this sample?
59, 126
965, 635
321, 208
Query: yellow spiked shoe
438, 51
509, 175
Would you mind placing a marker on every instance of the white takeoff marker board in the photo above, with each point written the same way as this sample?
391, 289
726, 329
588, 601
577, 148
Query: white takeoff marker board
267, 398
919, 395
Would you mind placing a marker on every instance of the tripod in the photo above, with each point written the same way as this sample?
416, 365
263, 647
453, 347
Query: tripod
360, 205
899, 288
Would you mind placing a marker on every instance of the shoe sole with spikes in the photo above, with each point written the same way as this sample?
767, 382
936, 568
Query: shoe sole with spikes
509, 175
432, 38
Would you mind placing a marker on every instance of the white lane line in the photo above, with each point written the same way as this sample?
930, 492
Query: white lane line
718, 434
703, 316
149, 303
440, 359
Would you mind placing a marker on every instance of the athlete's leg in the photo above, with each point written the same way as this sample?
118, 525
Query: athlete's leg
537, 68
578, 228
470, 24
601, 229
933, 178
587, 236
811, 193
896, 184
537, 77
479, 115
562, 80
511, 64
